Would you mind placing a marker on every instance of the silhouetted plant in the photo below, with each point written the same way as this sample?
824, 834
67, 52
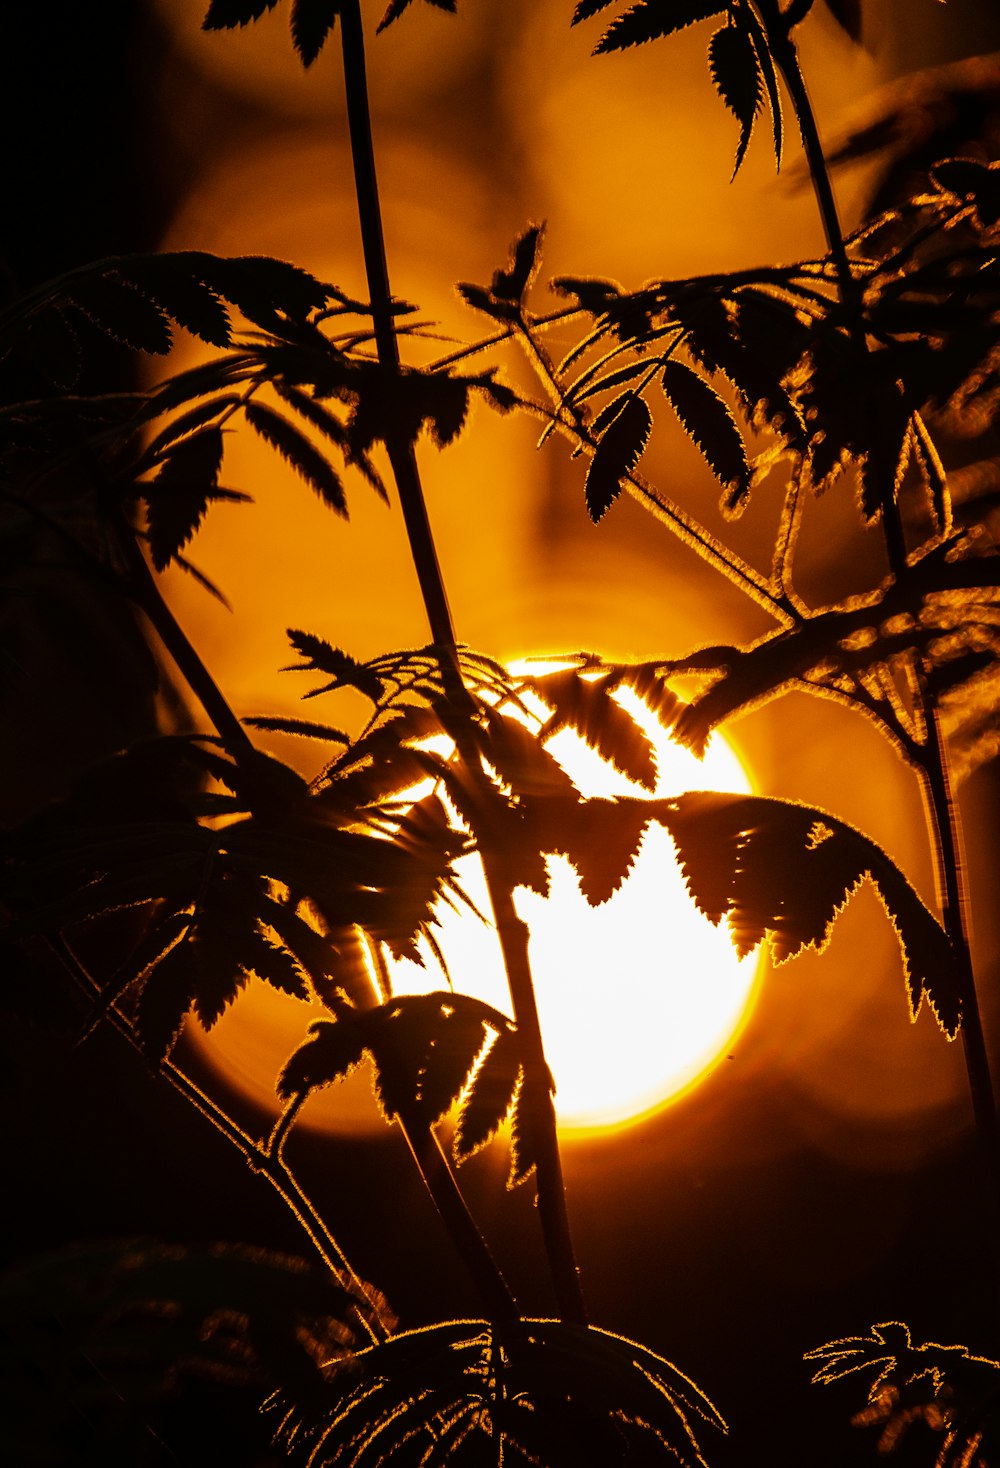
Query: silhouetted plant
826, 375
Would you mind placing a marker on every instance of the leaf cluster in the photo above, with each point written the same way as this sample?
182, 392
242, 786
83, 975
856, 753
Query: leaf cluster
952, 1393
524, 1392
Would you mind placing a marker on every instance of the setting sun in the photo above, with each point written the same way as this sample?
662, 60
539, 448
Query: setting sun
638, 997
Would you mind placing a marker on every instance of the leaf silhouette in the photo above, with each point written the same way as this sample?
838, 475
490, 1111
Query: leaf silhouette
396, 7
625, 432
735, 71
599, 837
587, 705
298, 451
785, 871
512, 283
490, 1094
227, 14
177, 498
648, 20
424, 1048
531, 1390
122, 311
345, 671
705, 417
312, 21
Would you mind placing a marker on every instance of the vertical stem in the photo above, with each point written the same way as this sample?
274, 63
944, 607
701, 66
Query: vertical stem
551, 1193
787, 59
955, 912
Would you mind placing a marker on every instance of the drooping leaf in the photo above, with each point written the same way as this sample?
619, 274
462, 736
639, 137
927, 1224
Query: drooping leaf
588, 705
784, 871
707, 419
174, 280
648, 20
300, 452
619, 449
735, 70
520, 758
177, 498
185, 423
312, 21
748, 17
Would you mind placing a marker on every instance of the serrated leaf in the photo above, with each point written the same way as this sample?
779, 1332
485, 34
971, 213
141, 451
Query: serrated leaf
264, 289
785, 871
312, 21
306, 728
164, 1001
587, 8
122, 311
395, 9
735, 71
346, 671
618, 451
177, 498
490, 1095
587, 705
173, 279
599, 837
649, 20
227, 14
708, 421
299, 452
185, 423
520, 759
749, 17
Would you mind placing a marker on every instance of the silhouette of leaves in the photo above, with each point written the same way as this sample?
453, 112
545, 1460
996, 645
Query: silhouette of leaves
298, 451
649, 20
586, 703
785, 871
424, 1048
952, 1392
622, 430
176, 499
735, 70
599, 837
709, 422
530, 1390
503, 299
488, 1099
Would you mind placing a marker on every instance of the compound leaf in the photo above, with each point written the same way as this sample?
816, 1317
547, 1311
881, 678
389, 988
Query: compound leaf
648, 20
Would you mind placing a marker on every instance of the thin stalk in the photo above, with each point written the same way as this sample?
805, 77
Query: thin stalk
142, 584
943, 818
551, 1194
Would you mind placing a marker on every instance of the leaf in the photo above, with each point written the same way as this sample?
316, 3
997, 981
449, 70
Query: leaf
708, 421
511, 284
599, 837
520, 759
346, 671
587, 705
122, 311
299, 451
648, 20
173, 279
225, 15
749, 16
312, 21
735, 71
395, 9
490, 1095
587, 8
304, 727
617, 453
785, 871
177, 498
186, 423
525, 1391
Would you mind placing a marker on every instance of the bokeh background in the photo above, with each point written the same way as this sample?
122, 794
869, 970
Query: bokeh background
823, 1177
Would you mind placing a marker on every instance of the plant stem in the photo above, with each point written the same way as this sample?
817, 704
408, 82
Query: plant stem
943, 818
787, 59
143, 586
551, 1193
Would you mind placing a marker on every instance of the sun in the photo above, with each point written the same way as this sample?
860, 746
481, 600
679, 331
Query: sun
639, 998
